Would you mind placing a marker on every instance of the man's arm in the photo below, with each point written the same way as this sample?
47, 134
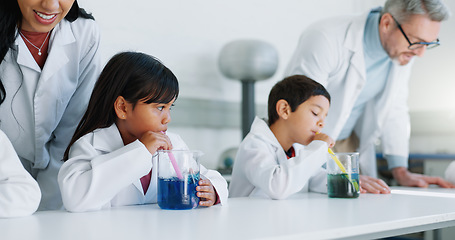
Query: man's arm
405, 178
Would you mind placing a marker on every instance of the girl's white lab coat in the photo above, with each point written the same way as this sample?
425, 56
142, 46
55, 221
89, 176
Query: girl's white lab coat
102, 172
261, 168
331, 53
43, 107
19, 192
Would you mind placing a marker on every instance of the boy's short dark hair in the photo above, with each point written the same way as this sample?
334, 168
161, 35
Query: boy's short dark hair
295, 90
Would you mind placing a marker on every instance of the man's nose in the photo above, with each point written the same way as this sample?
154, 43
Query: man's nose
420, 51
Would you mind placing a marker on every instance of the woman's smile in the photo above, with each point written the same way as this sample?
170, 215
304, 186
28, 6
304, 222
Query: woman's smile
45, 18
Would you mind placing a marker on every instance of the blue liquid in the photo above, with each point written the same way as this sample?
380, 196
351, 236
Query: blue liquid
174, 193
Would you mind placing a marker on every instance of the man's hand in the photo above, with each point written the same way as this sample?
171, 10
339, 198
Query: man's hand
408, 179
373, 185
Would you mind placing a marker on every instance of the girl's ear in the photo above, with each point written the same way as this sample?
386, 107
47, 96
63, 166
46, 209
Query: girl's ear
120, 107
283, 109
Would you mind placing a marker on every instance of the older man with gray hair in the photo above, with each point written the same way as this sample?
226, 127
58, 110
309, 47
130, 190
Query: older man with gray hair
365, 63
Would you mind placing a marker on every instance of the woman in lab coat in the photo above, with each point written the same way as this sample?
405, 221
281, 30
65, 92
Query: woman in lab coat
19, 192
49, 63
332, 52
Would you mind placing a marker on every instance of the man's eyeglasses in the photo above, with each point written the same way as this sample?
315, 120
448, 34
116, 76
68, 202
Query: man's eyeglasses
416, 45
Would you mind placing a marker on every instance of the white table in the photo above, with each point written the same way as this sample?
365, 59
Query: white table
305, 216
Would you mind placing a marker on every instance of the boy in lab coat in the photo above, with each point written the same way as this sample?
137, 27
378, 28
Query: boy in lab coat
285, 155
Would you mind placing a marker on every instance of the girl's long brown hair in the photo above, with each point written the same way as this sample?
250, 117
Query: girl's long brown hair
132, 75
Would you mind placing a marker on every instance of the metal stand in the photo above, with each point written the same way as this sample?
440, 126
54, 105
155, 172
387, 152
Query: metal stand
248, 110
248, 60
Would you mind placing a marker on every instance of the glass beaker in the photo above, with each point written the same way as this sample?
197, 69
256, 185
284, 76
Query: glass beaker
178, 177
343, 175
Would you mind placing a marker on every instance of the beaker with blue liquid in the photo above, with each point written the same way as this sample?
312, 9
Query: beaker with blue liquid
178, 177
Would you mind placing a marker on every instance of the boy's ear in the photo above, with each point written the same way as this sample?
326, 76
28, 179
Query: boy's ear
120, 107
283, 109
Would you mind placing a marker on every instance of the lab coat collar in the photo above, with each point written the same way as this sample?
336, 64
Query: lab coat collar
260, 129
61, 36
355, 32
27, 59
107, 139
354, 42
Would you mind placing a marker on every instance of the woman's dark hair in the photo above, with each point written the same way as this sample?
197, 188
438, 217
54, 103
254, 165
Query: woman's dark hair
11, 19
135, 76
295, 90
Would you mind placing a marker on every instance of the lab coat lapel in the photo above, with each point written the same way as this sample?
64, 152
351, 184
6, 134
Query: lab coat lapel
354, 42
260, 129
61, 37
108, 140
393, 88
27, 59
138, 186
386, 97
355, 78
376, 111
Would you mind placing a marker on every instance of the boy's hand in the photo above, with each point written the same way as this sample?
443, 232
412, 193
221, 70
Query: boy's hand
206, 193
324, 137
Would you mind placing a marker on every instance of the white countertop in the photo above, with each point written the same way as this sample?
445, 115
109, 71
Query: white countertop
305, 216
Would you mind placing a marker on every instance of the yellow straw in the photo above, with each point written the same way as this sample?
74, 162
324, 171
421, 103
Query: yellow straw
337, 161
334, 157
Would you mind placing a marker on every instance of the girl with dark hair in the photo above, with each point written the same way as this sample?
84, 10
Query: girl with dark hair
49, 62
109, 160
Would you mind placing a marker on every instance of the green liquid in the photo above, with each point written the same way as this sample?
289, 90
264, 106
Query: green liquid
339, 186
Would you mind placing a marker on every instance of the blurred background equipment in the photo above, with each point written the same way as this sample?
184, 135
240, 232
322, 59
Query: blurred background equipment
248, 61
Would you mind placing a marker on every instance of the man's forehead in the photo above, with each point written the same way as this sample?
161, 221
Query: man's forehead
422, 27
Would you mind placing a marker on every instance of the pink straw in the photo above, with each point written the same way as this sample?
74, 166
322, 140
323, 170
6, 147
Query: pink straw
174, 164
176, 167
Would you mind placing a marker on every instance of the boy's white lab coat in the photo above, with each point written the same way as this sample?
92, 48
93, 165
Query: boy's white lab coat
19, 192
102, 172
261, 167
43, 107
331, 53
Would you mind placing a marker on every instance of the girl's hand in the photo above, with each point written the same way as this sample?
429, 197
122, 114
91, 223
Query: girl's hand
206, 193
155, 140
324, 137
